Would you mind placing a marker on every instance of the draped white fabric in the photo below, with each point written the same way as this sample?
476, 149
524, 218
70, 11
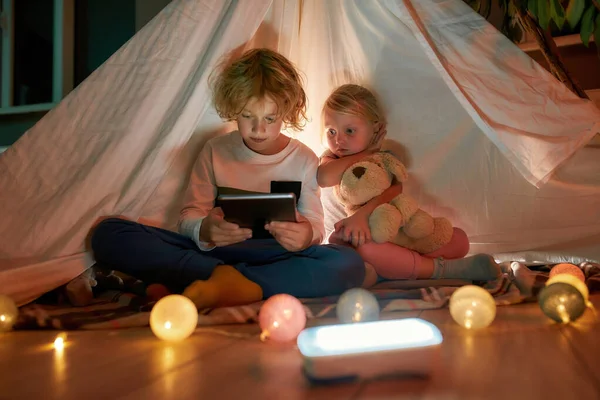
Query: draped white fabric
108, 147
491, 139
479, 124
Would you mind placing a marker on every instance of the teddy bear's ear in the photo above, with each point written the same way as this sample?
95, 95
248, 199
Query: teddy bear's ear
394, 166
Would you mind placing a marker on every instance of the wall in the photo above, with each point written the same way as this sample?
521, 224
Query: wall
13, 126
105, 26
145, 10
583, 62
102, 27
33, 52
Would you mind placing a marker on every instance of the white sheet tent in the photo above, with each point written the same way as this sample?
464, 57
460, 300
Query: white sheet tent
492, 140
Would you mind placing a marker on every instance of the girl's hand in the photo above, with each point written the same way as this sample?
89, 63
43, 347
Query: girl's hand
336, 238
217, 231
293, 236
354, 229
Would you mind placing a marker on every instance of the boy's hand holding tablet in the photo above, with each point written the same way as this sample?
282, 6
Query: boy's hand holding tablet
293, 236
216, 230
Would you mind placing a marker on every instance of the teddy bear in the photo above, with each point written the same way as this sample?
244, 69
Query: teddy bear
400, 221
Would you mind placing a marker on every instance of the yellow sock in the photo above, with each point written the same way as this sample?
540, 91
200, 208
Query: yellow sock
225, 287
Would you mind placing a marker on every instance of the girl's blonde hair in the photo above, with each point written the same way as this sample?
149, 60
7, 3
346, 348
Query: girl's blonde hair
355, 100
260, 73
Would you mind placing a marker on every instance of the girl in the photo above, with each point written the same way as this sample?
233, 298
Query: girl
213, 261
355, 126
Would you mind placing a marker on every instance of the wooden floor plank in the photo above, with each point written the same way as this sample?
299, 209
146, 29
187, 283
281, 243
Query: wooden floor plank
522, 355
400, 389
248, 369
584, 338
103, 363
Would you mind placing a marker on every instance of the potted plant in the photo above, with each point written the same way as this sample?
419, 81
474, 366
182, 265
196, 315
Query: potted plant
543, 20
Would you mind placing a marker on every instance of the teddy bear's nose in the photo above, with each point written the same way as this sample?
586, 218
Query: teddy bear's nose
359, 171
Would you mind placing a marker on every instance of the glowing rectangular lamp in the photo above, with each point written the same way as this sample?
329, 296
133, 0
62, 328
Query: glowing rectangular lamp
370, 349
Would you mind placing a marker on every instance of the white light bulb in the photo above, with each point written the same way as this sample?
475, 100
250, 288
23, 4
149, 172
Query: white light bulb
472, 307
59, 342
357, 305
8, 313
173, 318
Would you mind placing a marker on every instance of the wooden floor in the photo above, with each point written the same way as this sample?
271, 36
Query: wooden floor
523, 355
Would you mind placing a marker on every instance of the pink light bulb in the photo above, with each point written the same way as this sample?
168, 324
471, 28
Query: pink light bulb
570, 269
281, 318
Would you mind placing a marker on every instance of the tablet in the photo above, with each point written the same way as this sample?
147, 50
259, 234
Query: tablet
253, 211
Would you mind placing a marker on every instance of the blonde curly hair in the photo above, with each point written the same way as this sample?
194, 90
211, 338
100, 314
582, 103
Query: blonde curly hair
259, 73
355, 100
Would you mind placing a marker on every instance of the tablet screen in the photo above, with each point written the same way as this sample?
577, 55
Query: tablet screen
253, 211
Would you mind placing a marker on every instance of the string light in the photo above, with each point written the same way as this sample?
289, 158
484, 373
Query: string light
569, 269
9, 313
472, 307
573, 281
281, 318
564, 298
357, 305
60, 341
173, 318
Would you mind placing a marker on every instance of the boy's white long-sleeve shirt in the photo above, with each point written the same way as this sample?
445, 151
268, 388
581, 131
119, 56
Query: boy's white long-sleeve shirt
226, 163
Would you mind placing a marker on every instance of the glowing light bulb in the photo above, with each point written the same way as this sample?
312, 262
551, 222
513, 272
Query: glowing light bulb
472, 307
564, 298
59, 342
173, 318
8, 313
569, 269
573, 281
357, 305
281, 318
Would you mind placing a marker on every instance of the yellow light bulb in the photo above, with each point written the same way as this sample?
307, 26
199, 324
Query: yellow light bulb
570, 269
8, 313
59, 342
173, 318
472, 307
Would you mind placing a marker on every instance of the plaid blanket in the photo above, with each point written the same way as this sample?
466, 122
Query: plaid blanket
120, 309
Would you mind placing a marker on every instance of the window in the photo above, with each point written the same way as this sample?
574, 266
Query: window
36, 54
